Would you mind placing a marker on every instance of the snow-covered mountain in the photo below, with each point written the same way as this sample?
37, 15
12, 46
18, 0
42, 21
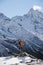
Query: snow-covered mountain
28, 27
32, 22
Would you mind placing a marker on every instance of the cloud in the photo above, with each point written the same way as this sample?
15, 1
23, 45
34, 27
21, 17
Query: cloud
37, 7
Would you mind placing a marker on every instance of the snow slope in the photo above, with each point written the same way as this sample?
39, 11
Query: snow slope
20, 61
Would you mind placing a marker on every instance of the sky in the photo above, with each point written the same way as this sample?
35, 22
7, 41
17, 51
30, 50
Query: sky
13, 8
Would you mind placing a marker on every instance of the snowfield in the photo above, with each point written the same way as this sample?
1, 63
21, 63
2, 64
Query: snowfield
11, 60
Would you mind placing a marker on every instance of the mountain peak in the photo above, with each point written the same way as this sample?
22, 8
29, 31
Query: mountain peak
1, 14
33, 10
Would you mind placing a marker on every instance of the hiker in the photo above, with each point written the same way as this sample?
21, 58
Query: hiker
21, 44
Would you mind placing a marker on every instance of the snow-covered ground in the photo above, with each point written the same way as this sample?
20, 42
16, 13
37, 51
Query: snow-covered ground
11, 60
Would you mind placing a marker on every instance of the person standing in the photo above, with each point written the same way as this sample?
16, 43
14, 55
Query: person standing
21, 44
